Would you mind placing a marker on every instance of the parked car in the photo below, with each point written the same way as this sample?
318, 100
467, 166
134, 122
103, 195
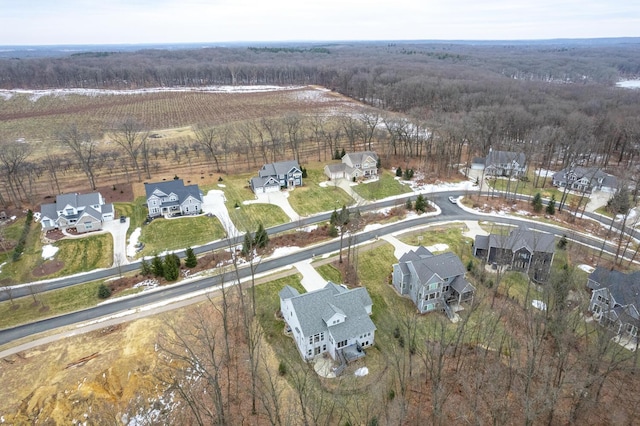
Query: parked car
454, 200
123, 219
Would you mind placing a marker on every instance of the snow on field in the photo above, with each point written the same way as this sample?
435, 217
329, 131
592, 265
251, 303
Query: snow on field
1, 265
309, 228
49, 251
438, 247
544, 172
362, 371
587, 268
133, 240
281, 251
37, 94
539, 304
629, 84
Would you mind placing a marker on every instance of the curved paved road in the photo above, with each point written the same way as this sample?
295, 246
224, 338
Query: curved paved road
450, 212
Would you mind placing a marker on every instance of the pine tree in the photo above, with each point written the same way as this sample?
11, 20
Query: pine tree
343, 153
336, 154
334, 218
247, 245
191, 260
399, 172
103, 291
551, 206
157, 266
262, 238
171, 269
537, 203
145, 268
409, 204
421, 204
304, 172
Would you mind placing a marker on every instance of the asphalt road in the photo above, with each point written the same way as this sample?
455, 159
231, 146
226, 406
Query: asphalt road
450, 212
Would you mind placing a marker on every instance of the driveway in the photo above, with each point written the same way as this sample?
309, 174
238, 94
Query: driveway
214, 203
280, 199
119, 232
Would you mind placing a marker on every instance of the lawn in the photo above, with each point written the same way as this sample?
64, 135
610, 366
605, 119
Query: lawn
236, 189
312, 198
177, 234
49, 304
84, 254
385, 186
248, 216
330, 273
136, 212
449, 234
527, 188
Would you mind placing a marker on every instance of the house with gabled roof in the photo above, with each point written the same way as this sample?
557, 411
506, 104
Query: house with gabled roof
521, 250
84, 212
433, 282
615, 300
333, 320
585, 179
171, 198
505, 163
274, 176
354, 166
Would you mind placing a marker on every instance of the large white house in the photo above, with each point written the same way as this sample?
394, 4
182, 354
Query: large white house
173, 198
332, 319
274, 176
85, 212
355, 165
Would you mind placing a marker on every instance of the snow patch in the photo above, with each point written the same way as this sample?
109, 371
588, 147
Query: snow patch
544, 172
361, 372
133, 241
49, 251
587, 268
221, 185
539, 304
438, 247
281, 251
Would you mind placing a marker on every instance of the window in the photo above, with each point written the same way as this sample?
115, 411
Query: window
445, 288
310, 352
322, 336
310, 340
324, 348
88, 225
342, 344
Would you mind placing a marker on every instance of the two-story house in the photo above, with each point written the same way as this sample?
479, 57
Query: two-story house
433, 282
84, 212
505, 163
173, 198
333, 319
615, 301
274, 176
522, 250
585, 179
354, 166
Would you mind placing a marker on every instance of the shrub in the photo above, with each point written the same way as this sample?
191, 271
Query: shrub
220, 179
282, 368
104, 291
562, 243
399, 172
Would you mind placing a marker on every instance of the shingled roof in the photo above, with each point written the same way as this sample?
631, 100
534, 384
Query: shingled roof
175, 186
624, 288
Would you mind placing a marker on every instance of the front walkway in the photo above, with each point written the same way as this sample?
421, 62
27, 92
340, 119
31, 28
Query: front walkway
311, 279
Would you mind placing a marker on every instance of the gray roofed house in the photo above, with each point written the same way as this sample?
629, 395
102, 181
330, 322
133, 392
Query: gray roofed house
84, 212
274, 176
585, 179
522, 250
433, 282
173, 198
505, 163
355, 165
333, 319
615, 301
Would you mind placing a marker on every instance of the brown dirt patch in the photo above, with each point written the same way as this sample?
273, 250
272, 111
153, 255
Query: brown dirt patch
47, 268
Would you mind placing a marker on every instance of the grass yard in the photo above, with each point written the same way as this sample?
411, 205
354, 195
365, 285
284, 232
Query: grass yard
312, 198
449, 234
330, 273
21, 271
236, 188
527, 188
248, 216
177, 234
49, 304
136, 212
84, 254
385, 186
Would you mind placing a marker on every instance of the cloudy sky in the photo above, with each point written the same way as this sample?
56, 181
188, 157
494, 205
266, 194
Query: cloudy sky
176, 21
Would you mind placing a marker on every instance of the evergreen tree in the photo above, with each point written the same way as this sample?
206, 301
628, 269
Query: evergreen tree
171, 269
551, 207
103, 291
409, 204
334, 218
333, 231
537, 203
304, 172
421, 204
399, 172
336, 154
247, 245
191, 260
262, 238
157, 266
343, 153
145, 268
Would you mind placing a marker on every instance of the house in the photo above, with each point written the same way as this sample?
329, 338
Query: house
274, 176
84, 212
354, 166
615, 301
522, 250
333, 319
585, 179
504, 163
433, 282
173, 198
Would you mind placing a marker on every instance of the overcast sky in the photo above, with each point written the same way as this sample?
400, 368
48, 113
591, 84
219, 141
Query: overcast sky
177, 21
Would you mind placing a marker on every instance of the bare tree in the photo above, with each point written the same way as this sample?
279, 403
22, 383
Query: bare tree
84, 147
132, 137
13, 157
